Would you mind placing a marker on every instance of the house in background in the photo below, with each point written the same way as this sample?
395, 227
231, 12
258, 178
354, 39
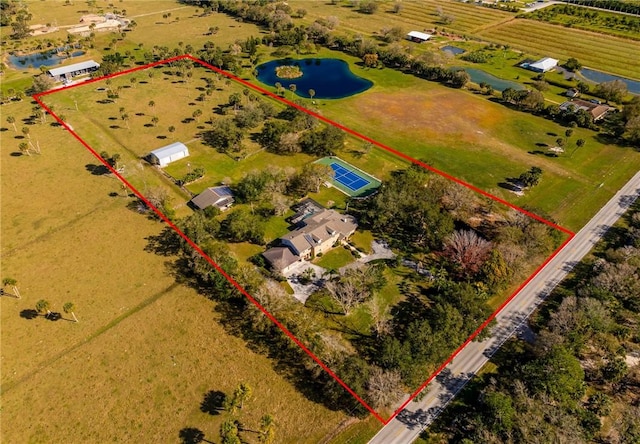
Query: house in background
572, 93
167, 154
219, 197
66, 73
596, 110
542, 65
418, 37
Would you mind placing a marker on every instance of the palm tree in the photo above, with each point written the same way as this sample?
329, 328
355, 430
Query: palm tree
26, 131
152, 104
12, 121
196, 115
155, 120
267, 429
24, 148
125, 119
278, 86
133, 81
312, 93
151, 74
243, 393
69, 307
10, 282
293, 89
43, 306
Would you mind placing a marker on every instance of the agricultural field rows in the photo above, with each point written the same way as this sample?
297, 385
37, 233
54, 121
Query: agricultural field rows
598, 51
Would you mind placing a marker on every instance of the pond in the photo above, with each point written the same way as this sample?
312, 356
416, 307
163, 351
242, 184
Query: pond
329, 78
478, 75
453, 50
36, 60
599, 77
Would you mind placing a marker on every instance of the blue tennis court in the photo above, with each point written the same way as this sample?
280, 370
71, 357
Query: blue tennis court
348, 178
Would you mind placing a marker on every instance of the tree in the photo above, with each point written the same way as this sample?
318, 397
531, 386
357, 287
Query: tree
613, 91
241, 394
155, 120
12, 121
467, 251
43, 306
196, 115
24, 148
293, 89
151, 103
370, 60
125, 119
172, 129
532, 177
312, 93
229, 432
384, 387
312, 176
26, 131
347, 293
69, 307
10, 282
573, 64
267, 429
368, 6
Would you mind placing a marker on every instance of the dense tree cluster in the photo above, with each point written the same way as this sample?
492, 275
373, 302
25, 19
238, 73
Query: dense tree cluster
574, 377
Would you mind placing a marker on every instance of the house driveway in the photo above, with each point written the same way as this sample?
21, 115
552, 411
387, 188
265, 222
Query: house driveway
380, 249
302, 291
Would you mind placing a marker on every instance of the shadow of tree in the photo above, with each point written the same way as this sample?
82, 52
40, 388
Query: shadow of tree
213, 402
191, 435
29, 313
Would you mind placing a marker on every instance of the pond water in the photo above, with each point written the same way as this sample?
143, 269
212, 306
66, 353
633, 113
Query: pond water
36, 60
599, 77
453, 49
478, 75
329, 78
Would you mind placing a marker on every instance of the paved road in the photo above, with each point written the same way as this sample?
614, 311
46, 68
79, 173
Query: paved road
406, 427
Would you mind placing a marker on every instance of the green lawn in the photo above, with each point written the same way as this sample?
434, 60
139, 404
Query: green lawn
335, 258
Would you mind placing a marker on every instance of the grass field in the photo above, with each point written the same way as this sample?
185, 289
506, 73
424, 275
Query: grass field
146, 350
481, 142
604, 52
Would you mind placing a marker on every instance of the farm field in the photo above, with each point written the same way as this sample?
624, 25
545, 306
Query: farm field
146, 349
607, 53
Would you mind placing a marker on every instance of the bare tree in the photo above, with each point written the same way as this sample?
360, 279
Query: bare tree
467, 250
384, 387
346, 293
380, 317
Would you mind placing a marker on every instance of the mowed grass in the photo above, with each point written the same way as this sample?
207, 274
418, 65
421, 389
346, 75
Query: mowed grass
146, 350
599, 51
482, 143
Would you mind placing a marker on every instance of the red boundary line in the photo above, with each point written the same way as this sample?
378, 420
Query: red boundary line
37, 98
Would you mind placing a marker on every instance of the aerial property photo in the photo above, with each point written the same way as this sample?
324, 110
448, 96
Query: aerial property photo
397, 221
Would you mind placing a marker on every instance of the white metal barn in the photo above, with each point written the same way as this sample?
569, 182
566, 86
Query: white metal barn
167, 154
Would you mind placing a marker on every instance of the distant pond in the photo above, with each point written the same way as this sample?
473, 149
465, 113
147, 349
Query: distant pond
598, 77
478, 76
36, 60
453, 50
329, 78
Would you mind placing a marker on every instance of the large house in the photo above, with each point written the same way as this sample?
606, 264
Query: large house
219, 197
315, 234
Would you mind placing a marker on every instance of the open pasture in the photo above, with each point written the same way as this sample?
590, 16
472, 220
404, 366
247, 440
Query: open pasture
146, 350
607, 53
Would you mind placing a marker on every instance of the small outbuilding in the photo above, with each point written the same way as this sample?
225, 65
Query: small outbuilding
418, 37
219, 197
66, 73
167, 154
543, 65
